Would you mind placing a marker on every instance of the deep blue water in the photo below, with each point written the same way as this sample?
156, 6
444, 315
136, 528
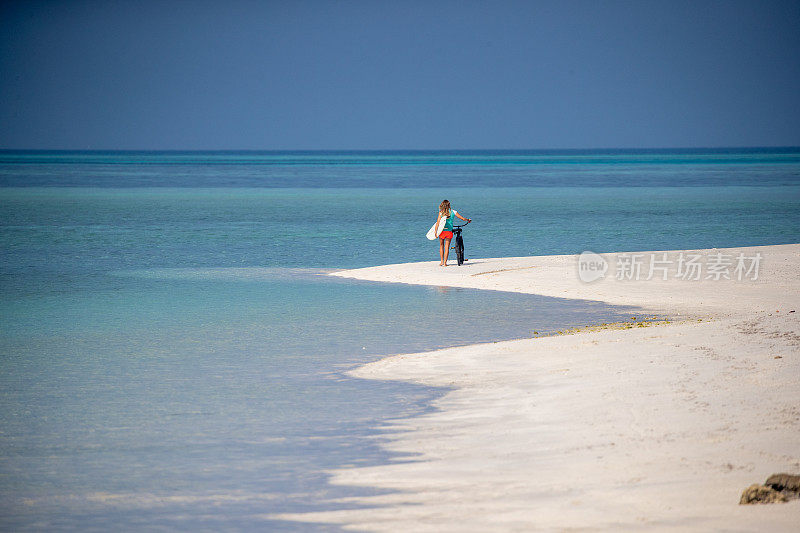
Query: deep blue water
404, 169
171, 349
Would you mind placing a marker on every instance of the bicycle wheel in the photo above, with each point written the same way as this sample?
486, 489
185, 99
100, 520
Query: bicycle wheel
460, 250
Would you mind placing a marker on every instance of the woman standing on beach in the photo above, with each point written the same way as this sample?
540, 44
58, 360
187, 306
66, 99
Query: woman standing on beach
447, 232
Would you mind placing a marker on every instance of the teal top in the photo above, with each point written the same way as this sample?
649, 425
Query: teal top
448, 225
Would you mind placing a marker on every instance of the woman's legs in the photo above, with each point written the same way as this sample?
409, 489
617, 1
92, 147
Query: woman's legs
446, 251
441, 252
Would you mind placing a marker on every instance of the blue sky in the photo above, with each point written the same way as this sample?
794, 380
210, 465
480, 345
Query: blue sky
399, 75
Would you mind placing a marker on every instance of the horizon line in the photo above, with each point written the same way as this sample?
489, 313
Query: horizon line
400, 150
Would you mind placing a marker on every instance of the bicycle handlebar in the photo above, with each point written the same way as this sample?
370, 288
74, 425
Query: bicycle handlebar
461, 225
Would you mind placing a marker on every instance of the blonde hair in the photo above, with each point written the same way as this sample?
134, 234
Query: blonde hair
444, 207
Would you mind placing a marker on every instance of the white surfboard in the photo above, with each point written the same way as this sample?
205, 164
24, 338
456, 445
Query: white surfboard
434, 231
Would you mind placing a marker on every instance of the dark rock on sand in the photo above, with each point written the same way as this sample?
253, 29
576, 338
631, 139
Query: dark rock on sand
777, 488
761, 494
784, 482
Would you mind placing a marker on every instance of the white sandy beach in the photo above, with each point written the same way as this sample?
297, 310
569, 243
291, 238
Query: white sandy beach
656, 428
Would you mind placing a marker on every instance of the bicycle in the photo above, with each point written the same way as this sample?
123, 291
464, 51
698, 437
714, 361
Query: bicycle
458, 243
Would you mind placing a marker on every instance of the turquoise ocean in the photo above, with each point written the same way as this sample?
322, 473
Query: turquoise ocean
172, 350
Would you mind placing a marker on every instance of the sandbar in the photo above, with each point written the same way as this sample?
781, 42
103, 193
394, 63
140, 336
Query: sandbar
616, 428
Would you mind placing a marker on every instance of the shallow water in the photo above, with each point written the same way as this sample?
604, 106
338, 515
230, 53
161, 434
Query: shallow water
174, 389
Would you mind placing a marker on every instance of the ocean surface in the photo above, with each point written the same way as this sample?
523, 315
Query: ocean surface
172, 350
